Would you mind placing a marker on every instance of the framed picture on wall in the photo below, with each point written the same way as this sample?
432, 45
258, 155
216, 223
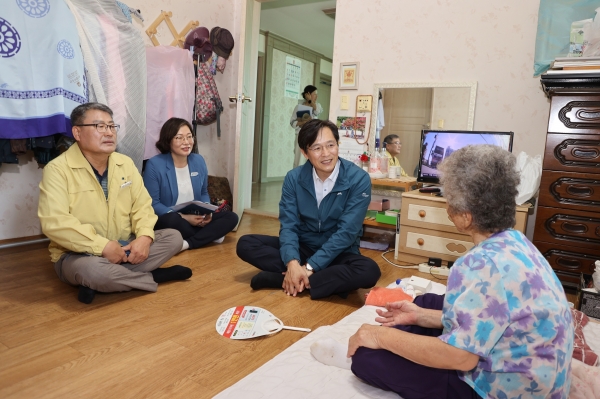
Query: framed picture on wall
349, 75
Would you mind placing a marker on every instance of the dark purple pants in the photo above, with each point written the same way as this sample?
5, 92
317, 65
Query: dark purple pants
391, 372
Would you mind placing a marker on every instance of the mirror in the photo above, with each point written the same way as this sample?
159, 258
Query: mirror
410, 107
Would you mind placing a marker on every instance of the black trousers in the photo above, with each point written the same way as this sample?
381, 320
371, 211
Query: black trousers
391, 372
221, 224
347, 272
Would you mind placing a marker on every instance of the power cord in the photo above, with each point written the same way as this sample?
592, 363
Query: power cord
394, 264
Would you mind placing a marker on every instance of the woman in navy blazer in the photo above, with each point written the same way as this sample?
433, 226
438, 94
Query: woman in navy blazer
176, 176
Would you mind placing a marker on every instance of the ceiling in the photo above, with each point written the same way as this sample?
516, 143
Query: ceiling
301, 21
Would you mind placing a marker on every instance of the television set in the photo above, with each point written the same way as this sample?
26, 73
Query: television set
438, 144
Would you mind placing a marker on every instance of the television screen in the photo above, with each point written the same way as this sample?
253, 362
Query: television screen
438, 144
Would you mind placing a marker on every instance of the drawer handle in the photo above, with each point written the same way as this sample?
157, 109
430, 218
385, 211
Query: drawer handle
574, 227
422, 213
420, 241
459, 248
568, 263
585, 154
580, 191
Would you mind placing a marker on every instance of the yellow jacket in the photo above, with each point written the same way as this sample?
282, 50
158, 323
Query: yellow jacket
74, 212
393, 161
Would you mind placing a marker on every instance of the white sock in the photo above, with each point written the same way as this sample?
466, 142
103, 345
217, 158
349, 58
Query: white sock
184, 246
332, 353
220, 240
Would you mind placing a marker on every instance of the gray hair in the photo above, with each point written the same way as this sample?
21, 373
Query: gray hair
78, 114
482, 180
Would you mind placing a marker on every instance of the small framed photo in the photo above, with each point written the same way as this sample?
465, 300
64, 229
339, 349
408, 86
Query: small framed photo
349, 76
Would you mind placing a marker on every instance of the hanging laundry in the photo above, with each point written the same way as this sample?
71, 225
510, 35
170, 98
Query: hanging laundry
6, 154
171, 90
129, 11
44, 149
41, 69
18, 146
114, 55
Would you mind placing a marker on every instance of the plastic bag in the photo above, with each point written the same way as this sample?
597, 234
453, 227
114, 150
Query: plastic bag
592, 33
530, 169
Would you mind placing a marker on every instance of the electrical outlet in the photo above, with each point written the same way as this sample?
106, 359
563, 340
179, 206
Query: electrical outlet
364, 103
440, 271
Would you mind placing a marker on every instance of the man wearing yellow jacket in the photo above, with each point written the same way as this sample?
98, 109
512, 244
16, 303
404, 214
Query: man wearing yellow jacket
98, 215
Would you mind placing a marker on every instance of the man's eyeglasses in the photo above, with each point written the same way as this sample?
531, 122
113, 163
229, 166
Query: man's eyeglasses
317, 149
181, 139
102, 127
396, 143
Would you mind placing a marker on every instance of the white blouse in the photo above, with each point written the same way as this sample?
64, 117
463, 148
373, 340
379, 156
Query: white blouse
184, 185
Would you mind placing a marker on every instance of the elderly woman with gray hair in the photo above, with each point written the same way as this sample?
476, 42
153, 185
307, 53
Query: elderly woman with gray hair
504, 327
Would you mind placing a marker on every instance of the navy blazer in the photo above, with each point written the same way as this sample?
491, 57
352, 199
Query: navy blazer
160, 180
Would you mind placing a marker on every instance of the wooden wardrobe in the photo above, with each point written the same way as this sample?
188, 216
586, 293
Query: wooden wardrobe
567, 226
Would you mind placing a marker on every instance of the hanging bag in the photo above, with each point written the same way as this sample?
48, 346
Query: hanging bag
208, 102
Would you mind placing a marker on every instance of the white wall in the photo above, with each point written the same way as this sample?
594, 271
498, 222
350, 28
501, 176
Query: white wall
492, 43
19, 183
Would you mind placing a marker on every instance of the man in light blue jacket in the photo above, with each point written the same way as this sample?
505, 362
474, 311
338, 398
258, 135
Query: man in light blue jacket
322, 208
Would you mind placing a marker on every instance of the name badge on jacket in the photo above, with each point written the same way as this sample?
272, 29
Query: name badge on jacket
194, 174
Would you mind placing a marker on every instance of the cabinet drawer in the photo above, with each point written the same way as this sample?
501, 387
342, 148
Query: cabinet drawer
567, 258
579, 191
574, 114
431, 243
572, 153
430, 213
426, 214
568, 227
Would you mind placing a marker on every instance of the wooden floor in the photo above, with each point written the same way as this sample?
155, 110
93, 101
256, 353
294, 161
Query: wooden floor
147, 345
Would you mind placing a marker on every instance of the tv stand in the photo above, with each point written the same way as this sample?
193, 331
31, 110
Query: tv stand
426, 231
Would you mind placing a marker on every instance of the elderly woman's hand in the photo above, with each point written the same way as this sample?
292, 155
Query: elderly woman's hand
403, 313
367, 336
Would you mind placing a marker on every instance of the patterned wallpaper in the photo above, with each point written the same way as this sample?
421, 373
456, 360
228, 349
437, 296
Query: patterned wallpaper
280, 147
449, 105
492, 43
19, 190
444, 41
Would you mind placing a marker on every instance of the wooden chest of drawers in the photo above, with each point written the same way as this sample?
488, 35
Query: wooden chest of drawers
567, 227
426, 231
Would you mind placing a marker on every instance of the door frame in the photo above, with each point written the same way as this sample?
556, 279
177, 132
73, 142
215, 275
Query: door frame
247, 67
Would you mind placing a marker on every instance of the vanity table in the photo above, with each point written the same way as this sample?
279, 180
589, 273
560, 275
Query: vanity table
426, 231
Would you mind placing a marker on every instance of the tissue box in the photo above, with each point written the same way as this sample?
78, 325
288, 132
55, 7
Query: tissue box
589, 301
420, 284
379, 205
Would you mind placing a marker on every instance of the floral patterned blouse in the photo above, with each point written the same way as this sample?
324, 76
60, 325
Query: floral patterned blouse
505, 304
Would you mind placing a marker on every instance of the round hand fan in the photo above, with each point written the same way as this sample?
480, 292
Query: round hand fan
243, 322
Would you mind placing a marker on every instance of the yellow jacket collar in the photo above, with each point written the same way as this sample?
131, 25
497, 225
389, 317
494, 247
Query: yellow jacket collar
76, 159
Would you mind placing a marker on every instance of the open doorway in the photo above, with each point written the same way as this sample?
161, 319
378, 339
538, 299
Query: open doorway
295, 48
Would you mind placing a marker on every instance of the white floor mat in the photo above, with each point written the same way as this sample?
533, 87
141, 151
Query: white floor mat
294, 373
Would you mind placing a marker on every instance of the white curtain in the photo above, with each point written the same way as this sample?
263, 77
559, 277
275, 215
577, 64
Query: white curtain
115, 59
